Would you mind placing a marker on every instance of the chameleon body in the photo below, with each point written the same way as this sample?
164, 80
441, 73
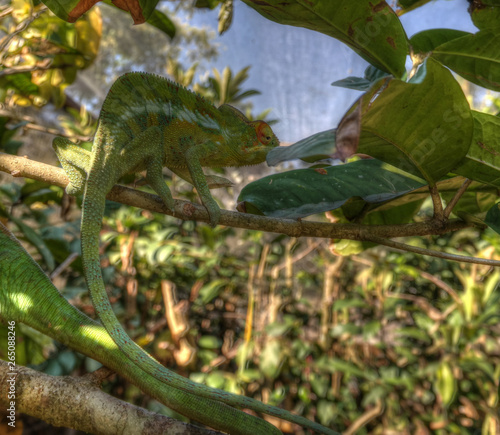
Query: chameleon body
147, 123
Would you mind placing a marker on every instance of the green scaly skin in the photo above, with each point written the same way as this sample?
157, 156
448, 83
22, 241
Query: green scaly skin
147, 123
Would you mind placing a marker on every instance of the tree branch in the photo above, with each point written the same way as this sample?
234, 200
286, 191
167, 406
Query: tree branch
54, 399
23, 167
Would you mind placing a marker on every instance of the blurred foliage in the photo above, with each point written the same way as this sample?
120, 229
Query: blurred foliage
382, 342
40, 54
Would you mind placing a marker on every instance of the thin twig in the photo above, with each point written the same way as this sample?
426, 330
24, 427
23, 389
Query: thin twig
7, 10
458, 195
422, 251
365, 418
441, 284
17, 69
59, 269
436, 201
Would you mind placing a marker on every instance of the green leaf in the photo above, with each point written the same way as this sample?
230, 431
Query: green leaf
271, 359
447, 188
372, 74
493, 218
424, 129
209, 342
446, 384
22, 83
355, 83
162, 22
33, 237
210, 4
428, 40
333, 365
482, 162
485, 14
476, 57
304, 192
216, 380
371, 29
210, 291
342, 304
315, 147
327, 412
392, 214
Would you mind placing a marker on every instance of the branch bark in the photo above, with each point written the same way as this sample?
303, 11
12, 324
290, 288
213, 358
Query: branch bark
78, 403
23, 167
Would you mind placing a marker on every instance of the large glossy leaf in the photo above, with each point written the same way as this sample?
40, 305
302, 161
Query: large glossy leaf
371, 29
422, 128
303, 192
476, 57
482, 162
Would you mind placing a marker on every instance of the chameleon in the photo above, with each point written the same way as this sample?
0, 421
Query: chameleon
146, 123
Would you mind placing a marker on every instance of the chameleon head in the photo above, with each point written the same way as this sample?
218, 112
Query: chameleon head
263, 141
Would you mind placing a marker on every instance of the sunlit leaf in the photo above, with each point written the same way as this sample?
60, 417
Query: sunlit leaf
446, 384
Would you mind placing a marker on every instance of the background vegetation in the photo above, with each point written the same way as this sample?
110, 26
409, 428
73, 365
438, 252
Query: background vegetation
375, 342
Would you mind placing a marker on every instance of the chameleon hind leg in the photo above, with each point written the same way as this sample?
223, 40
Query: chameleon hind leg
75, 161
146, 150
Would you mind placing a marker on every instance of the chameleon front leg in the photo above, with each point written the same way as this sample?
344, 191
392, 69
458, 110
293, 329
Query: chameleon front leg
193, 160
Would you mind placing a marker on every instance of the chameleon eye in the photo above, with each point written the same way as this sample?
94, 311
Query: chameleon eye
264, 133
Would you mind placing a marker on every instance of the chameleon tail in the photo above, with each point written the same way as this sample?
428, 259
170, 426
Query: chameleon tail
185, 401
93, 209
27, 296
